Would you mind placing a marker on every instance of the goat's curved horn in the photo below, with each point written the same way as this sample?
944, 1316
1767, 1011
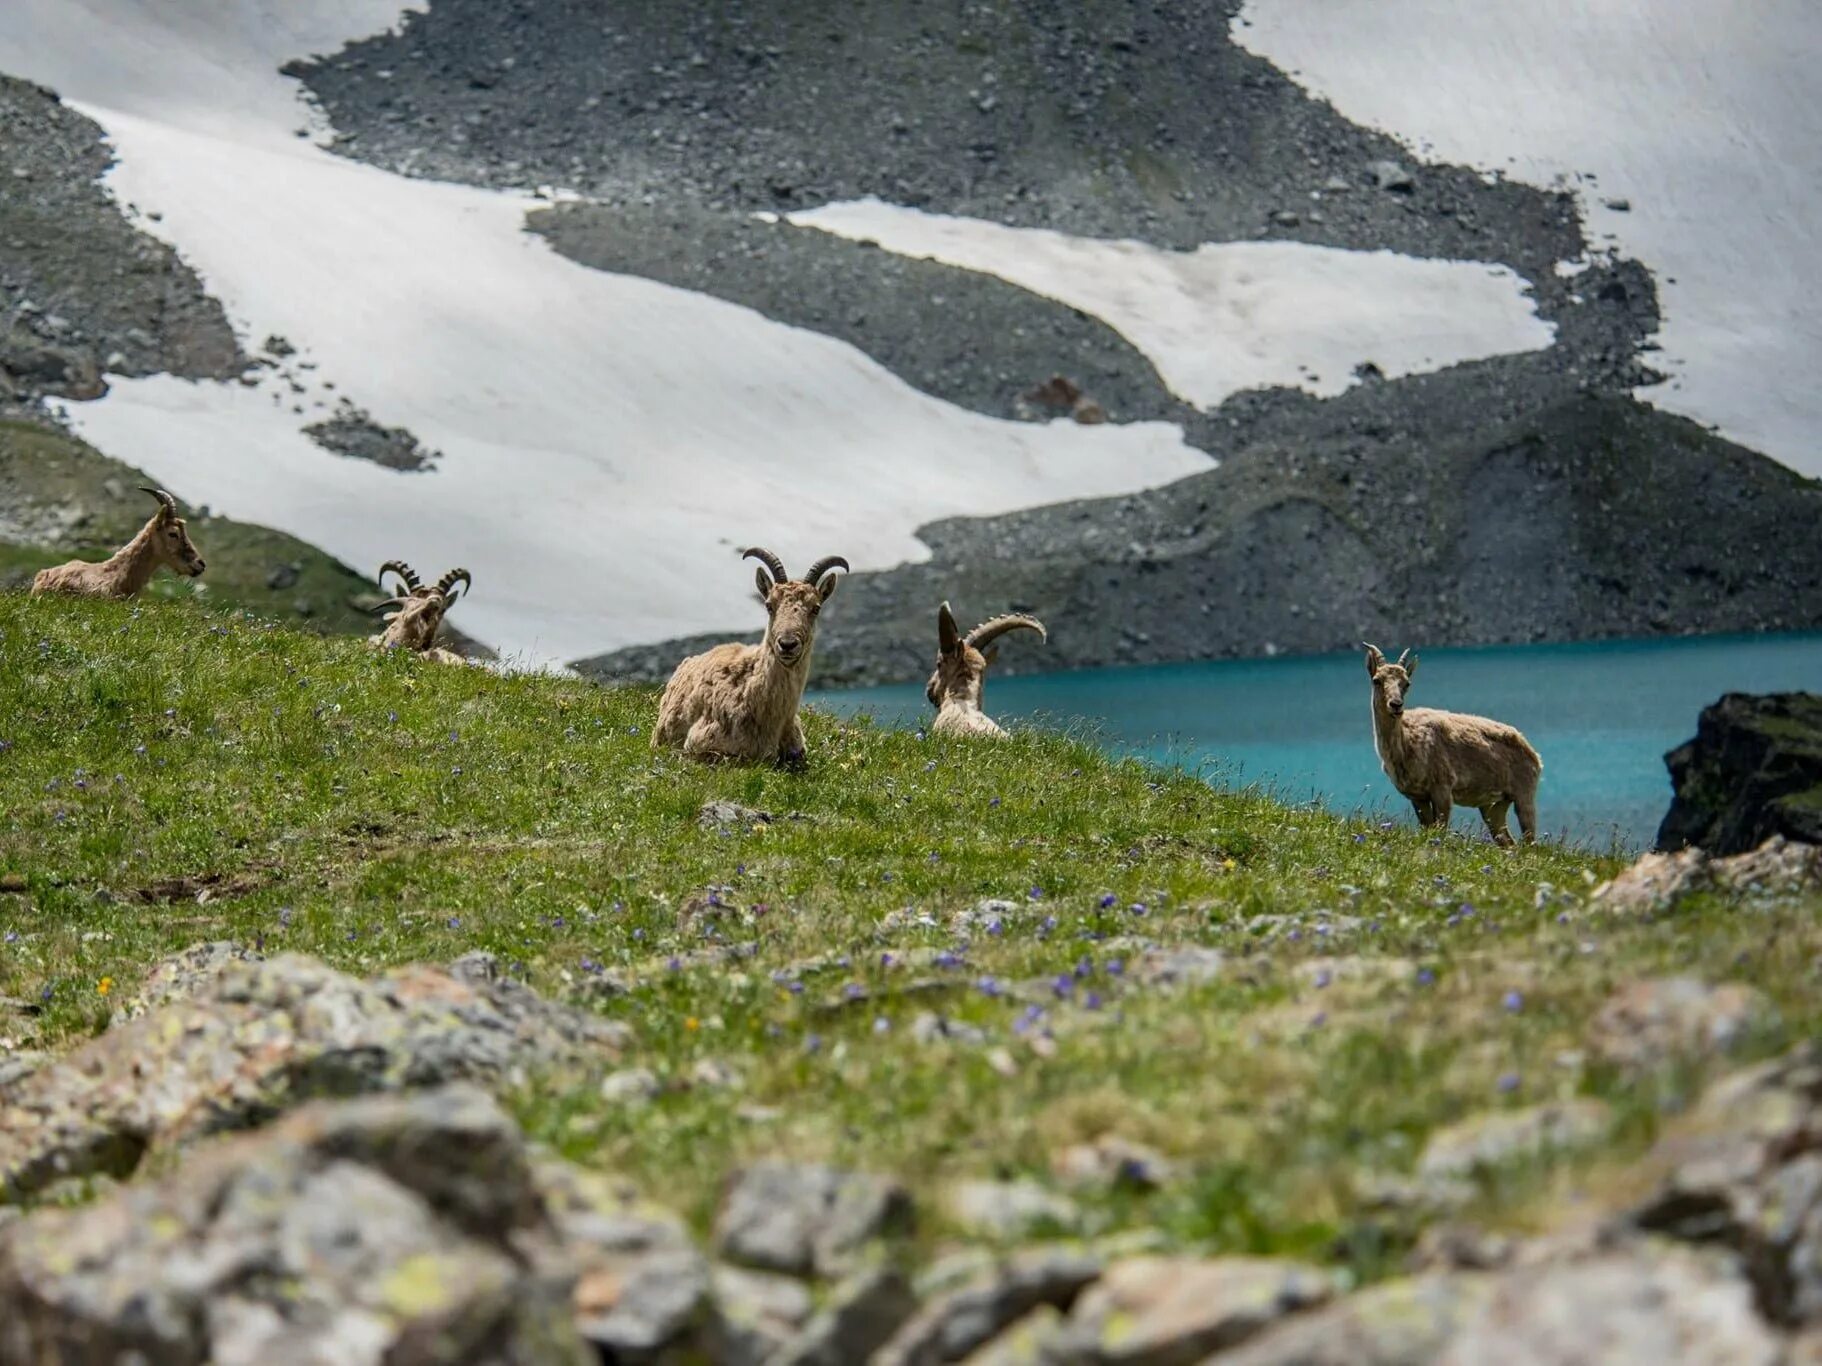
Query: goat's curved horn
989, 631
165, 500
769, 560
451, 579
823, 566
948, 634
403, 570
388, 602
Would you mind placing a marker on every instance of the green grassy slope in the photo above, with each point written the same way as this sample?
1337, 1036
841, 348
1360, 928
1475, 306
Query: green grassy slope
169, 776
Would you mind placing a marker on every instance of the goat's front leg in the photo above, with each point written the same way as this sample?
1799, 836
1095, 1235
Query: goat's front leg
705, 741
1442, 805
793, 751
1421, 805
1495, 817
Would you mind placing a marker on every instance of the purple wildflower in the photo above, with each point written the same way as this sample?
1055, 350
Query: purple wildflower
1425, 977
1323, 978
1107, 900
988, 986
996, 926
1508, 1082
1138, 908
1116, 967
1036, 893
1514, 1001
812, 1043
1063, 985
1092, 1001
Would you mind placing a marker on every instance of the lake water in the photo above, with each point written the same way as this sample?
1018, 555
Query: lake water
1602, 715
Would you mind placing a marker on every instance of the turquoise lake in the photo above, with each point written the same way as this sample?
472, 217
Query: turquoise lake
1602, 715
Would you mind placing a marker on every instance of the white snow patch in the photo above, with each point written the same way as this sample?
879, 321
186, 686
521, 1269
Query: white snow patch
1706, 117
607, 442
1233, 315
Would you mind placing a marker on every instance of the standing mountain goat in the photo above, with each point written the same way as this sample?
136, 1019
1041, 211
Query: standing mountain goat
740, 701
163, 540
1440, 758
961, 671
419, 615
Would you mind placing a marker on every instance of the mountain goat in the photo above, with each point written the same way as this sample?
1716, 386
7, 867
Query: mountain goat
163, 540
1440, 758
738, 701
413, 626
961, 671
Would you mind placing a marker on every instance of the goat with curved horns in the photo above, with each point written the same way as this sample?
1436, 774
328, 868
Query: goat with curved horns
418, 614
738, 701
1439, 758
961, 671
163, 540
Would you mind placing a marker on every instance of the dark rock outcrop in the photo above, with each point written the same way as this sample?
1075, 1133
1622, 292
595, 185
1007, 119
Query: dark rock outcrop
1754, 770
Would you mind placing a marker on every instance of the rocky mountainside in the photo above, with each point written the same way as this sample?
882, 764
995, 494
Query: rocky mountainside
1519, 498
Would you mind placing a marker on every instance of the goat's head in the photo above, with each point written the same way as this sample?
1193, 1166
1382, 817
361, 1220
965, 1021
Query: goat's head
418, 613
961, 661
1390, 681
792, 605
172, 538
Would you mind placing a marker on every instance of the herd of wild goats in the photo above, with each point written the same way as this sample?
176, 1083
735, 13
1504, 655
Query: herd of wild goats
739, 702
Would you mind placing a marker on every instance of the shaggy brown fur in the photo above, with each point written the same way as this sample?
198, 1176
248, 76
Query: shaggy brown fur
419, 615
961, 671
163, 540
1440, 758
739, 702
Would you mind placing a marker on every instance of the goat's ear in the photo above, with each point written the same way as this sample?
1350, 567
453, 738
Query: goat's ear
764, 580
948, 636
1374, 659
826, 589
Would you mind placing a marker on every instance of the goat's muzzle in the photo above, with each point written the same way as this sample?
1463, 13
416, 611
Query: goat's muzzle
197, 568
1396, 707
789, 648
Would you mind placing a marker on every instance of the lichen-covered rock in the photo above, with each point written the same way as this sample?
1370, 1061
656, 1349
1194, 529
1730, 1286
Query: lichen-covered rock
1006, 1210
1488, 1141
951, 1325
804, 1219
1657, 882
1753, 770
1651, 1021
861, 1314
1743, 1170
756, 1315
1164, 1311
1644, 1302
242, 1039
407, 1230
182, 976
642, 1288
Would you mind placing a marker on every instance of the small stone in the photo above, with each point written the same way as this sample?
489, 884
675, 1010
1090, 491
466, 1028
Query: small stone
1389, 175
630, 1085
1489, 1141
862, 1313
1111, 1161
731, 814
1162, 1311
1649, 1022
1007, 1210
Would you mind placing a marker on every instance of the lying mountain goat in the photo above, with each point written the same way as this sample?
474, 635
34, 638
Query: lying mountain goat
740, 701
163, 540
961, 671
1438, 758
419, 615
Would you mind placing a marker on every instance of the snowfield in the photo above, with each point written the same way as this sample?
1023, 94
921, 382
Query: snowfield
1233, 315
608, 443
1703, 118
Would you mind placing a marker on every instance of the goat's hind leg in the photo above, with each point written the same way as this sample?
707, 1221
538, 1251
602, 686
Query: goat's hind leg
1527, 815
1494, 814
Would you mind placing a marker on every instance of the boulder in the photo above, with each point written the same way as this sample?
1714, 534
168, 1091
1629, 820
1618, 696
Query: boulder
1006, 1210
804, 1219
1753, 770
406, 1230
1658, 882
227, 1040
